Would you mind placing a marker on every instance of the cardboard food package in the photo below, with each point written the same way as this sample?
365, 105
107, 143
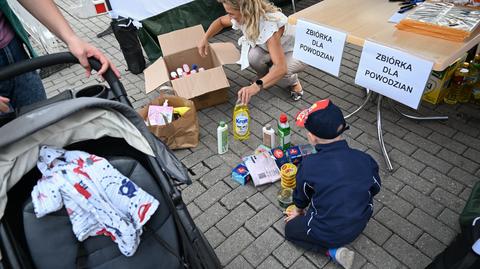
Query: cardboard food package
439, 81
206, 88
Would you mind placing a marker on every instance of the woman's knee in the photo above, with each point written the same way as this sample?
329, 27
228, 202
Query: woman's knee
259, 59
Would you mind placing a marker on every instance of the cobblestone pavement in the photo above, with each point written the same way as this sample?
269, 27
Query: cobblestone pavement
435, 166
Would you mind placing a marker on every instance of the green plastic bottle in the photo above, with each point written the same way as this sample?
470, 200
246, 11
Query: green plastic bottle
284, 131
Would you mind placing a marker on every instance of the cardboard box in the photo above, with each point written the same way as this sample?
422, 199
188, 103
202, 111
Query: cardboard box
438, 83
206, 88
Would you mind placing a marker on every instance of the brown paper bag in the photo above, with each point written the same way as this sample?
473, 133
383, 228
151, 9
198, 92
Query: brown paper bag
181, 133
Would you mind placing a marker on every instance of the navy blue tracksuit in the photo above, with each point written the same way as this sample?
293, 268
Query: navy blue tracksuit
338, 183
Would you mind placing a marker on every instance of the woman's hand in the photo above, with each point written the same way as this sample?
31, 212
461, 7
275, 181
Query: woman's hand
202, 46
4, 104
246, 93
83, 50
293, 214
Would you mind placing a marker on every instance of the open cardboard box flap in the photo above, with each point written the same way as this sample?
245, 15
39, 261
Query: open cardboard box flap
200, 83
155, 75
181, 40
226, 53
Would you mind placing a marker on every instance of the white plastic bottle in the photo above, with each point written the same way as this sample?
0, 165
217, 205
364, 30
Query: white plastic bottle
222, 138
268, 136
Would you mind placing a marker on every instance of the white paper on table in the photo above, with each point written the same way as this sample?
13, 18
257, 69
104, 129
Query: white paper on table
262, 168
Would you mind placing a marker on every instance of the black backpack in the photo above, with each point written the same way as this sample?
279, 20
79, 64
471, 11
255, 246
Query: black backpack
127, 36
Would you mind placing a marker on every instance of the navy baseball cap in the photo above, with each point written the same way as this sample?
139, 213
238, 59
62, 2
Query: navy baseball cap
323, 119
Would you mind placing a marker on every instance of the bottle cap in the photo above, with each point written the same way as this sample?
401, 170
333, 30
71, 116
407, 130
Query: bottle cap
194, 67
268, 126
222, 124
174, 75
283, 118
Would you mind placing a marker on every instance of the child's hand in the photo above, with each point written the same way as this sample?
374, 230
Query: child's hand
293, 214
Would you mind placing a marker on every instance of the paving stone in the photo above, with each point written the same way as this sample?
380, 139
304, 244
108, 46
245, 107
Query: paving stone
271, 194
215, 175
394, 202
398, 143
303, 263
212, 195
463, 177
192, 191
235, 219
432, 226
258, 201
377, 232
196, 157
332, 265
287, 253
421, 201
392, 183
398, 225
406, 161
194, 210
233, 246
458, 160
280, 226
465, 195
413, 126
214, 237
467, 140
442, 181
423, 143
432, 161
371, 142
407, 254
374, 254
264, 219
414, 180
447, 142
238, 263
198, 171
358, 261
214, 161
181, 153
429, 245
472, 154
269, 263
237, 196
449, 200
210, 217
369, 266
319, 259
259, 250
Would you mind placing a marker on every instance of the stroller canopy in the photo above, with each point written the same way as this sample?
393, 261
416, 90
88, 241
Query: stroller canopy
66, 122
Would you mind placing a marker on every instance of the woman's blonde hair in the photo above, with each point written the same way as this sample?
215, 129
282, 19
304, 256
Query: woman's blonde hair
251, 11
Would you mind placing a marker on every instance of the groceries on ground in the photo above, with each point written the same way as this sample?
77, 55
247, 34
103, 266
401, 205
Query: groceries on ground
284, 131
241, 122
222, 138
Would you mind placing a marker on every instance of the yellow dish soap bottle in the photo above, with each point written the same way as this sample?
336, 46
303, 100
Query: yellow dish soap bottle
241, 122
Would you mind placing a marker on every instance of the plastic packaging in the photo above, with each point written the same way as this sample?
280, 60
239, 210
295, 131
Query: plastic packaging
222, 138
241, 122
458, 82
465, 92
180, 72
186, 68
174, 75
195, 67
201, 69
284, 131
268, 136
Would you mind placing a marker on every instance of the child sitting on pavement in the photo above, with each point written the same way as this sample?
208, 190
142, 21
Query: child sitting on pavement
337, 184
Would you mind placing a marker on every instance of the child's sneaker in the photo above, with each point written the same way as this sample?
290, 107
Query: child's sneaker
342, 256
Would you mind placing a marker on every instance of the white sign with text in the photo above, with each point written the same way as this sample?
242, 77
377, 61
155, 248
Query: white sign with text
319, 46
393, 73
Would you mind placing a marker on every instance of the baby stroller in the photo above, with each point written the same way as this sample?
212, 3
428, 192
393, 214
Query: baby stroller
106, 128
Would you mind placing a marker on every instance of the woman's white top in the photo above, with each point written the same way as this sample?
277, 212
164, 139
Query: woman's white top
269, 24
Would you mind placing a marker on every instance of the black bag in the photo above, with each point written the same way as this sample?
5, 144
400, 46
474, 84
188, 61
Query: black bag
127, 36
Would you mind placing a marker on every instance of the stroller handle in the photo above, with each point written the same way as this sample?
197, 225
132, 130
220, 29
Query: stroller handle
62, 58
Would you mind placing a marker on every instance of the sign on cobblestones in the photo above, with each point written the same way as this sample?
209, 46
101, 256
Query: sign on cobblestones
319, 46
393, 73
